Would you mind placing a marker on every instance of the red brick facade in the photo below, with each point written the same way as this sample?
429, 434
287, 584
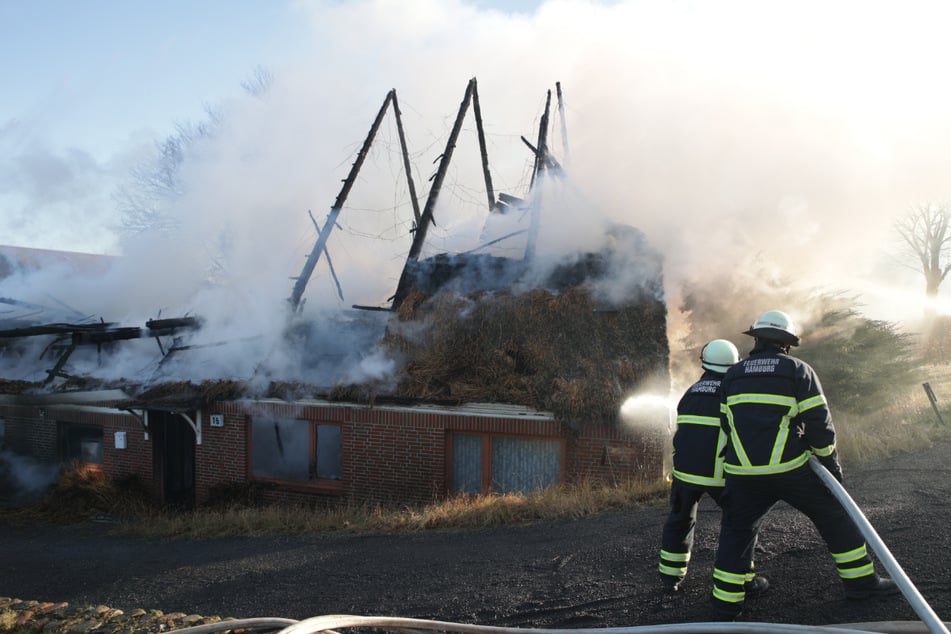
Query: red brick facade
387, 453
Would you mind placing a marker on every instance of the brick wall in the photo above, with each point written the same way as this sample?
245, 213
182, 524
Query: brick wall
613, 455
222, 457
29, 433
389, 454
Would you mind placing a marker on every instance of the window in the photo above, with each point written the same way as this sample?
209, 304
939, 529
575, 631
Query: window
504, 464
80, 442
467, 463
521, 465
296, 450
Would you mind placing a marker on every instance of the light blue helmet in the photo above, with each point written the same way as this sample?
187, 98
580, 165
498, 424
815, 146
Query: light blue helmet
718, 355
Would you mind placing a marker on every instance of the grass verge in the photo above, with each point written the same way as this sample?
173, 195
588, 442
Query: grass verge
82, 494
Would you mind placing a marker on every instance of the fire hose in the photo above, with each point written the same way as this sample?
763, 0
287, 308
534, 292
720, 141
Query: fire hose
334, 622
910, 592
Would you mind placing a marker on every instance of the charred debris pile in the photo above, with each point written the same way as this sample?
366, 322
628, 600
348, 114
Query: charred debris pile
563, 345
465, 327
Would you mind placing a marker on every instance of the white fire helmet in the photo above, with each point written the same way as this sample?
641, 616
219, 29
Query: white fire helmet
718, 355
775, 325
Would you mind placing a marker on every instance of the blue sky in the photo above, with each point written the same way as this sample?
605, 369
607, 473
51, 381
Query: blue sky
93, 73
90, 85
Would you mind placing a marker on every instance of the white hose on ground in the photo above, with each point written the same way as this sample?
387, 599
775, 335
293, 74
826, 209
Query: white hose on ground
918, 603
890, 627
399, 625
339, 621
259, 623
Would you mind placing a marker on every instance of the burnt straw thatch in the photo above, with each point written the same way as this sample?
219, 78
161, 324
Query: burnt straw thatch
186, 395
557, 352
576, 342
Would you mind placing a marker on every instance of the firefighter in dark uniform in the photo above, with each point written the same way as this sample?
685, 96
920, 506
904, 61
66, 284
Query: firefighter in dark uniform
775, 416
698, 465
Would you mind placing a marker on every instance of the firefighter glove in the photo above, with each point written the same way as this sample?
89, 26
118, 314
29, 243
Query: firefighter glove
831, 462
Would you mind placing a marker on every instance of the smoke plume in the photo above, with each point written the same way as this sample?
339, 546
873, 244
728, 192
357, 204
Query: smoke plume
727, 133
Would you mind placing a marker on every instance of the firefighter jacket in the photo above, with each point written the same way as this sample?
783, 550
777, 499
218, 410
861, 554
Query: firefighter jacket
774, 413
699, 440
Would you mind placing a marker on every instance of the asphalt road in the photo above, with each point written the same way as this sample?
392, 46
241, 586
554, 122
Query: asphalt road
593, 572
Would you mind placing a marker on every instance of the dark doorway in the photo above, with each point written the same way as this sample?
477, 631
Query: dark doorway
173, 457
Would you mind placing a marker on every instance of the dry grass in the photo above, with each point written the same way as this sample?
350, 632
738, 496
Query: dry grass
84, 494
907, 423
569, 502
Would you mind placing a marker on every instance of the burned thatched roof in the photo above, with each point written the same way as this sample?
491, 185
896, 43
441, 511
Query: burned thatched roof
577, 344
557, 352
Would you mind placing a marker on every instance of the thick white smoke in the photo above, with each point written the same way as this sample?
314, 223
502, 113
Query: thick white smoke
719, 129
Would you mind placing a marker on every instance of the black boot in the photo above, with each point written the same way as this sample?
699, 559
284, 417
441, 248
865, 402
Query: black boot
758, 585
870, 587
723, 611
671, 584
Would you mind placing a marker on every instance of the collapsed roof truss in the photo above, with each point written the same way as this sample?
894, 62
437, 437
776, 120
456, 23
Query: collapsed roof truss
423, 219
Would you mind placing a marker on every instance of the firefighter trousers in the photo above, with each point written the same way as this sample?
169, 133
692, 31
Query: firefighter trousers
677, 536
745, 502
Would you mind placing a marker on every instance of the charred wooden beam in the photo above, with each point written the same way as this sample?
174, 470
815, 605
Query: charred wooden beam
330, 262
477, 111
385, 309
57, 368
87, 337
406, 166
541, 164
419, 236
301, 283
170, 326
34, 331
508, 199
550, 162
564, 124
542, 146
98, 334
105, 331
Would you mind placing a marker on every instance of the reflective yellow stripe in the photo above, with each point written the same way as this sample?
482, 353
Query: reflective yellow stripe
775, 464
718, 463
729, 577
823, 451
706, 481
728, 597
690, 419
777, 455
855, 573
809, 403
765, 399
669, 556
852, 555
782, 467
734, 438
673, 572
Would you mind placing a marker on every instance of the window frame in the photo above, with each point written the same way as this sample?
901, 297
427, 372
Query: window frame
64, 431
313, 483
486, 439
